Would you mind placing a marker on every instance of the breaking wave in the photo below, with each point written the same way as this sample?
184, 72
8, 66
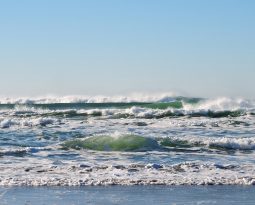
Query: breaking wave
42, 121
161, 97
227, 143
127, 107
129, 142
132, 110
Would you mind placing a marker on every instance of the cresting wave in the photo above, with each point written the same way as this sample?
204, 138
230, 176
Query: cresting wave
223, 143
117, 113
134, 143
15, 122
218, 104
161, 97
160, 108
114, 143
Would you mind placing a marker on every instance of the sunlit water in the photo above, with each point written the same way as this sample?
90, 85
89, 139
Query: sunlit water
170, 141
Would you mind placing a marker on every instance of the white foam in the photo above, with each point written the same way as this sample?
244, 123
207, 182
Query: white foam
6, 123
29, 122
41, 173
20, 150
242, 143
136, 97
37, 168
221, 104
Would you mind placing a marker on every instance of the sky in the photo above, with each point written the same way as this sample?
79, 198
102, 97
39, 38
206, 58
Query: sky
203, 48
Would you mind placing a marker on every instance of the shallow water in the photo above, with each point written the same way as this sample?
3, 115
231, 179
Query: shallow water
126, 195
170, 141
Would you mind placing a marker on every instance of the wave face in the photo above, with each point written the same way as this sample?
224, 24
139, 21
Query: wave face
114, 143
137, 139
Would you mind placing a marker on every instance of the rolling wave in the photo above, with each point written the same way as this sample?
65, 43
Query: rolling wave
161, 97
113, 143
222, 143
129, 142
174, 107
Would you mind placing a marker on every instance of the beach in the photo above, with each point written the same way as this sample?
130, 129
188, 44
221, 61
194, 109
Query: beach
127, 102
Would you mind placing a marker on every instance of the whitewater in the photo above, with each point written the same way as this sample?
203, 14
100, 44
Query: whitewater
126, 140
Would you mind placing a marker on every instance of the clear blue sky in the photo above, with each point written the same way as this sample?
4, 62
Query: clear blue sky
198, 47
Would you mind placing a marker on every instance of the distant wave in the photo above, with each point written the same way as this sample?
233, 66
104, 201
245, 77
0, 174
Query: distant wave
174, 107
11, 117
221, 104
188, 103
161, 97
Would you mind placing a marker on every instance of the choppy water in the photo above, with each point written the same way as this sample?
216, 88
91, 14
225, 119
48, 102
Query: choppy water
101, 141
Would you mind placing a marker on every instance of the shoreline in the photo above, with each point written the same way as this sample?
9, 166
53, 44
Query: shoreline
151, 194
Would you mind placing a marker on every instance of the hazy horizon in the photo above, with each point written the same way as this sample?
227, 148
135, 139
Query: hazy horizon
195, 48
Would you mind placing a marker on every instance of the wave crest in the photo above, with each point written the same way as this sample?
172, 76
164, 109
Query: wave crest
160, 97
227, 143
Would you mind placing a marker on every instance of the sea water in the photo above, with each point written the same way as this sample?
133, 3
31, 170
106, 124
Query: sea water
166, 140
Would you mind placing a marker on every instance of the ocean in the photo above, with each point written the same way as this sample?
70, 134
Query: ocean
145, 140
